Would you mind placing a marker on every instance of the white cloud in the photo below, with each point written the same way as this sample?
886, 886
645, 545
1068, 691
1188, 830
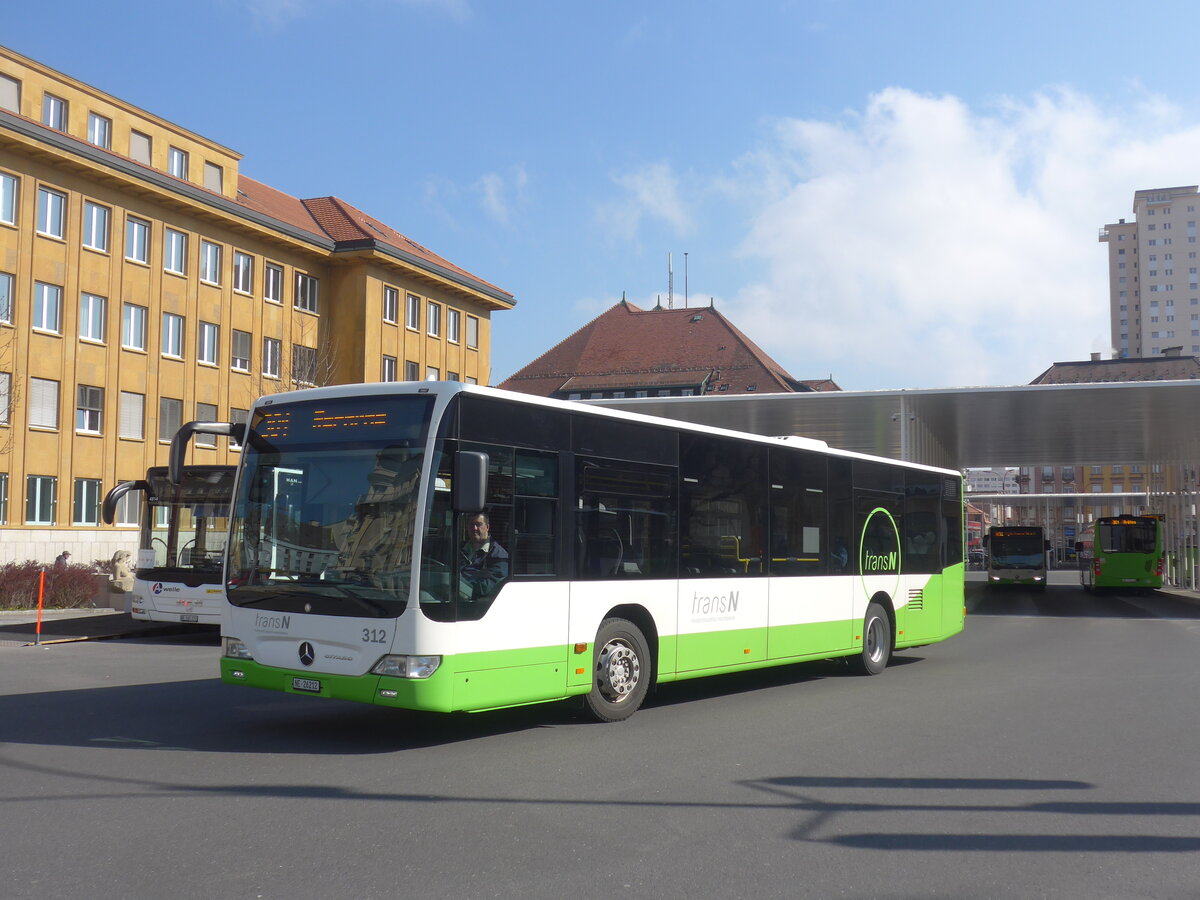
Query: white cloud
499, 193
922, 243
649, 192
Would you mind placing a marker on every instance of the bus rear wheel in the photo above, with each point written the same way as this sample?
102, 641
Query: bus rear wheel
877, 641
621, 671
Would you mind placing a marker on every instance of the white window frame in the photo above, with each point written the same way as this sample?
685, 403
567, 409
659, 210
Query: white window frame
412, 312
95, 226
243, 272
273, 283
391, 304
41, 499
10, 189
5, 397
173, 328
388, 370
52, 212
433, 319
7, 281
304, 364
452, 325
137, 240
47, 308
307, 290
208, 339
175, 246
206, 412
472, 333
210, 262
433, 373
54, 112
412, 371
100, 130
177, 163
89, 409
240, 362
133, 326
93, 317
272, 351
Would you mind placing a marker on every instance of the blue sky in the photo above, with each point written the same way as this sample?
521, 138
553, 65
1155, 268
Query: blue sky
897, 195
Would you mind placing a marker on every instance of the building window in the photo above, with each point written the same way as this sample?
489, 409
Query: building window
6, 298
40, 499
433, 320
87, 501
93, 315
237, 417
132, 416
243, 272
214, 178
306, 292
273, 283
452, 376
140, 146
137, 240
3, 488
172, 335
5, 397
391, 304
89, 409
47, 307
129, 510
170, 417
133, 327
8, 198
271, 352
472, 332
206, 412
95, 226
412, 312
412, 371
10, 99
54, 112
304, 365
240, 351
432, 373
452, 318
175, 252
177, 163
210, 262
51, 209
43, 403
206, 350
472, 380
389, 369
100, 130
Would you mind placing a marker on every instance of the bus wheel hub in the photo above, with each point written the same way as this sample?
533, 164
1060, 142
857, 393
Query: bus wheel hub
619, 669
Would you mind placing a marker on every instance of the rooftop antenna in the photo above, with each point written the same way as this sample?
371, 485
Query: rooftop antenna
685, 280
670, 282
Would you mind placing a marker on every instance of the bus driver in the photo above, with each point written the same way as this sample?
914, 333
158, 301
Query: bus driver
483, 563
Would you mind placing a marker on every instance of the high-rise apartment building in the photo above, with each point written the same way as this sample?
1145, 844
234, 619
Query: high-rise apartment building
1154, 289
145, 282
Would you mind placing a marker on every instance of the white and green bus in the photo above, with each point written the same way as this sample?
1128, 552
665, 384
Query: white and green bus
635, 550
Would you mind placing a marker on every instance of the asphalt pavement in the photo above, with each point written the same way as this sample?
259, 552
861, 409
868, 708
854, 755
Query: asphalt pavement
21, 627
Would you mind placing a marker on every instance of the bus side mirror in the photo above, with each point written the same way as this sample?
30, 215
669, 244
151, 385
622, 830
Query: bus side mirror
470, 481
108, 511
1078, 546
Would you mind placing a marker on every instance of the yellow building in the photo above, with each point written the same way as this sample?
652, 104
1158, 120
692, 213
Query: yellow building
144, 283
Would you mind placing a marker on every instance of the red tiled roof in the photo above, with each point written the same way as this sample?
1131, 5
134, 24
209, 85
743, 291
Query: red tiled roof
1138, 368
646, 346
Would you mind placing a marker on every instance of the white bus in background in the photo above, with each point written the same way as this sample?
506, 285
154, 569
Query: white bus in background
181, 546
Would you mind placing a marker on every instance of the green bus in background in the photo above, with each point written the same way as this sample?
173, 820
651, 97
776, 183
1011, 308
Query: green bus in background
1122, 552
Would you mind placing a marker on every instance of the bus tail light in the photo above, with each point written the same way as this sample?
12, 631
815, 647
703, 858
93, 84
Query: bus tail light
235, 649
1158, 568
1096, 567
401, 666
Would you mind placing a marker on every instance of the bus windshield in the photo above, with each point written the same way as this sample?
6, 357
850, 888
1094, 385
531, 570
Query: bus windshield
325, 516
185, 525
1017, 551
1127, 538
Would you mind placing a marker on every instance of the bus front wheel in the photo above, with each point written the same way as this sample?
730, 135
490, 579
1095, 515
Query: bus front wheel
877, 641
621, 671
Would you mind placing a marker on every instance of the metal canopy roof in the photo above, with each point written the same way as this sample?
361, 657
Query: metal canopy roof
1029, 425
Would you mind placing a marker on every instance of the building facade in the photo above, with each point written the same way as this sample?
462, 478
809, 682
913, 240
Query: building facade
145, 282
1154, 285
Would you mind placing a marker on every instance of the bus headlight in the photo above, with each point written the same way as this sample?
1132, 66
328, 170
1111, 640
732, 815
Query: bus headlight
400, 666
235, 649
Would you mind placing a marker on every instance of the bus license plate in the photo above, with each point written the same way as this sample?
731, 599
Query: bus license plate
306, 684
189, 617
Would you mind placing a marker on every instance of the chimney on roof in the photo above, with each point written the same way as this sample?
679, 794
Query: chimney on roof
1173, 351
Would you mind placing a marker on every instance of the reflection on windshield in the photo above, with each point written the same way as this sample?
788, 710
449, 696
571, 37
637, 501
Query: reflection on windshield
327, 525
